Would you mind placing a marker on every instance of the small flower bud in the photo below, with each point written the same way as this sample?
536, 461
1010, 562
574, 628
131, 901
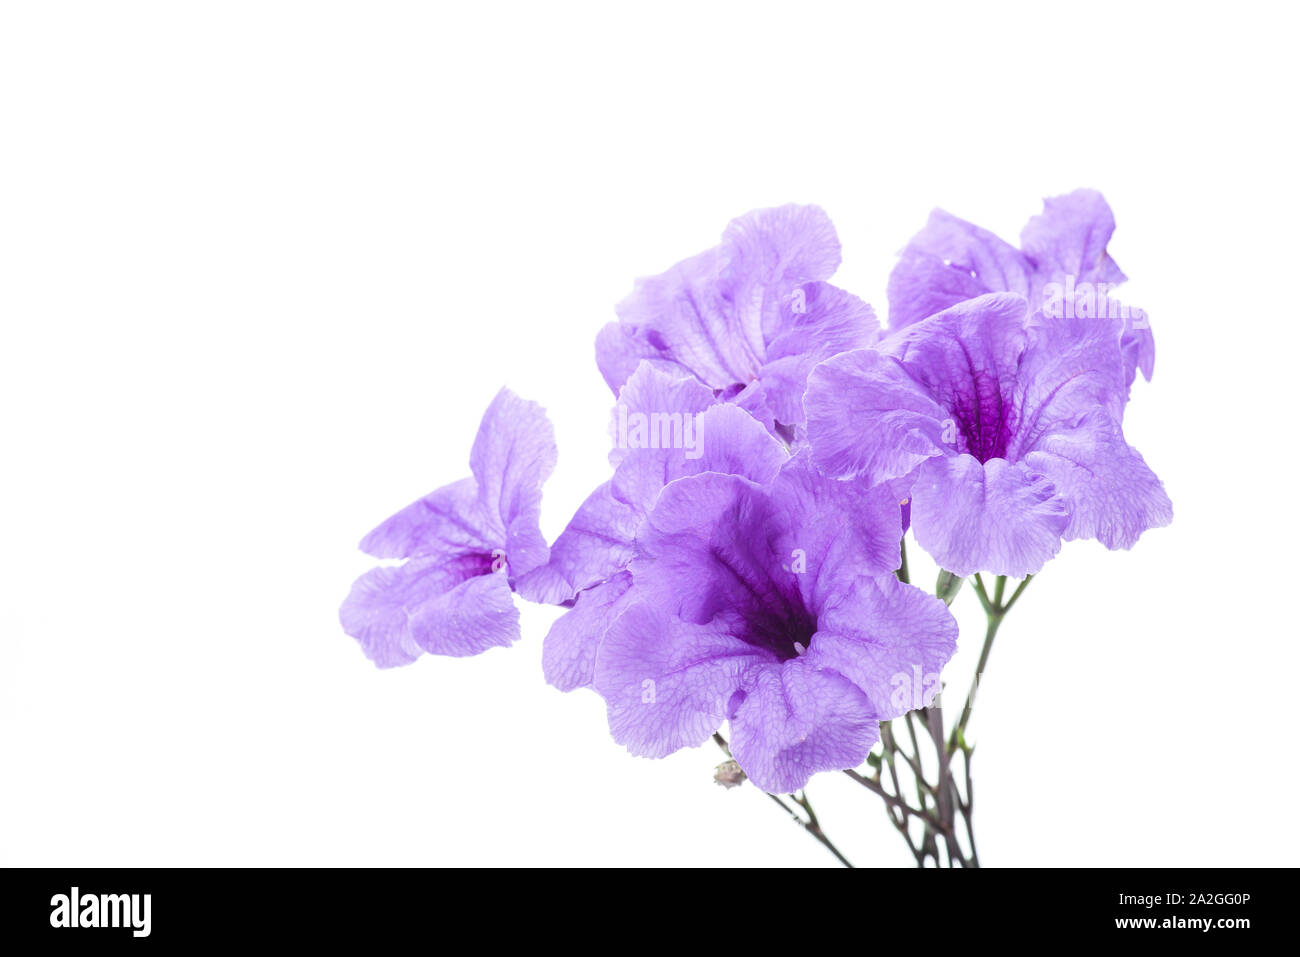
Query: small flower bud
947, 587
729, 775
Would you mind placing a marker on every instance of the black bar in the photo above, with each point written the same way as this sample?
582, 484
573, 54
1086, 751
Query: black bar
241, 906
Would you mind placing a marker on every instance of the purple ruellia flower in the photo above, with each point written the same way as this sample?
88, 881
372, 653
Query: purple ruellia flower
1003, 428
463, 544
748, 318
664, 427
773, 607
1061, 268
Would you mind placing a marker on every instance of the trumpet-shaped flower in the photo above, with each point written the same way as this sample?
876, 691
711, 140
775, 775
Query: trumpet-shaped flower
775, 608
1061, 268
665, 427
462, 547
1005, 433
748, 318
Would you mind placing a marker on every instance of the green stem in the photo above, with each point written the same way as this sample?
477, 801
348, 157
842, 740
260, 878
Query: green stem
1016, 594
812, 825
959, 730
947, 793
995, 611
945, 799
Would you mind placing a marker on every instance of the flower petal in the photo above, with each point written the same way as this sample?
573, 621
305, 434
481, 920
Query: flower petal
374, 612
1069, 237
597, 542
653, 391
476, 615
998, 517
843, 530
444, 522
720, 544
724, 439
704, 550
1072, 365
619, 351
886, 637
398, 611
947, 262
774, 250
666, 683
820, 321
600, 539
795, 721
513, 455
868, 417
1111, 493
967, 358
711, 313
687, 314
569, 651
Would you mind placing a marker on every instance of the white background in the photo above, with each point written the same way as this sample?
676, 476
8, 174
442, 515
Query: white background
262, 266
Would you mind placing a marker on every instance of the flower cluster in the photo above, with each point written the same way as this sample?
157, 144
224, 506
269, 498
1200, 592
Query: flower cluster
772, 443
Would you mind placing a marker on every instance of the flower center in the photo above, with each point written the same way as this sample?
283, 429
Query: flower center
984, 418
767, 611
785, 632
468, 565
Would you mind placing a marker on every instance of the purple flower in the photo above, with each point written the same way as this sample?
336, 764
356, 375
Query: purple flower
748, 318
665, 428
462, 545
1004, 430
1061, 267
773, 607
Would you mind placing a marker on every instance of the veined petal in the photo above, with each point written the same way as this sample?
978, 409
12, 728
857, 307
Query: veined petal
947, 262
445, 522
997, 517
1110, 492
1073, 364
687, 314
474, 616
1069, 237
720, 544
697, 554
374, 612
772, 251
569, 651
619, 351
967, 358
891, 640
841, 530
653, 391
795, 720
666, 682
397, 611
513, 455
722, 438
713, 313
817, 322
598, 542
868, 417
